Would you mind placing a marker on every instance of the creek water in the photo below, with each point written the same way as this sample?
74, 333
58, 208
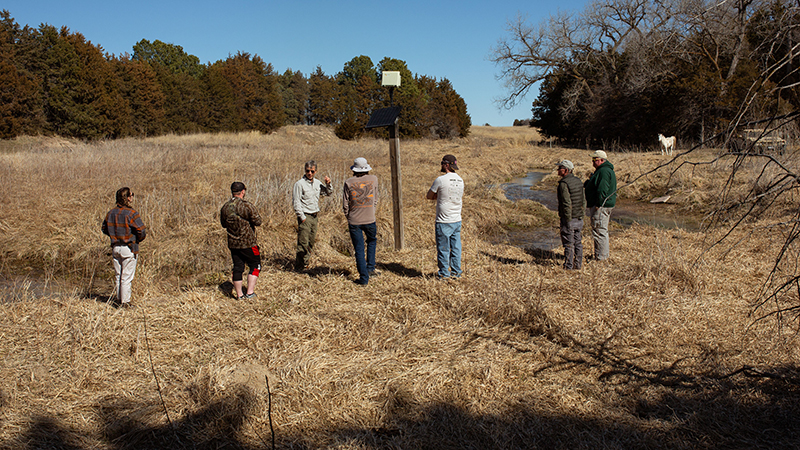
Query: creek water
624, 214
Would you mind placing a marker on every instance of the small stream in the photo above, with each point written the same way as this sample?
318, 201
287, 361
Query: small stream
624, 214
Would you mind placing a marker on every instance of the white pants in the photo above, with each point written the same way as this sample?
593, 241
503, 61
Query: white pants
125, 266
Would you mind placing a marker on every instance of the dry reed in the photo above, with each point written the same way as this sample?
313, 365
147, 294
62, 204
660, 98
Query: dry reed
653, 348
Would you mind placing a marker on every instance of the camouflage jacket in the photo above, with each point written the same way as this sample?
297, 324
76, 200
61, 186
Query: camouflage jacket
240, 218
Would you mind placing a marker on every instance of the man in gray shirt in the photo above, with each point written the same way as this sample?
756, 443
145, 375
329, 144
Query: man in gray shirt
305, 200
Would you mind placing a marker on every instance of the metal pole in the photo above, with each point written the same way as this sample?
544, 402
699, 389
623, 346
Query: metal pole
397, 197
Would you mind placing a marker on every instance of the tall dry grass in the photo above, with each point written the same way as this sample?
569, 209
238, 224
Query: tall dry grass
651, 349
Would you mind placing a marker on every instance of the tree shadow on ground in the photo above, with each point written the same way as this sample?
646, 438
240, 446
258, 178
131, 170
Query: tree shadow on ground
124, 426
745, 409
717, 416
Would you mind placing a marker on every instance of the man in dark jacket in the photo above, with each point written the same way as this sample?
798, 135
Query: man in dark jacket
601, 196
240, 218
571, 203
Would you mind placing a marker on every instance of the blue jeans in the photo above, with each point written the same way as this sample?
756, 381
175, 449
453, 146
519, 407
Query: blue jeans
357, 235
448, 249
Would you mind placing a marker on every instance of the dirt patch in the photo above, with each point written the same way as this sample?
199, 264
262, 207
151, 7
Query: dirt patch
252, 375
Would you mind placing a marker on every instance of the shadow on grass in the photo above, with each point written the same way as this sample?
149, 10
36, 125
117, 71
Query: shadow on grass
100, 298
503, 259
278, 261
226, 288
541, 256
401, 270
217, 425
743, 410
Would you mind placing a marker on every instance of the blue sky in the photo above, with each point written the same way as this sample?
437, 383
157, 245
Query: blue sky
442, 39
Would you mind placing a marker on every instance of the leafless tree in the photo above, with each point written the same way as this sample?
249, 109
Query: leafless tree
654, 35
581, 42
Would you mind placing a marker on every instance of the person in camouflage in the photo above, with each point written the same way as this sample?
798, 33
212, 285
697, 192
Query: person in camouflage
240, 219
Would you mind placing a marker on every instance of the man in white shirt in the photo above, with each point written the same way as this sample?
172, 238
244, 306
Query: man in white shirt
305, 200
447, 190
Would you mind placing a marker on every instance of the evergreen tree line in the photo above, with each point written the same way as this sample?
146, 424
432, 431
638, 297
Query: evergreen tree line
623, 70
53, 81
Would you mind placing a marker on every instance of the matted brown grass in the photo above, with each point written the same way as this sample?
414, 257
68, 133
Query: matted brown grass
653, 348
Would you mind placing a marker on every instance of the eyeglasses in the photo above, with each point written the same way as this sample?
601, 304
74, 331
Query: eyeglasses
310, 171
131, 195
445, 162
597, 159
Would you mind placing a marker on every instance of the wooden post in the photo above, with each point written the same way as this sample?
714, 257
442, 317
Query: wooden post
397, 197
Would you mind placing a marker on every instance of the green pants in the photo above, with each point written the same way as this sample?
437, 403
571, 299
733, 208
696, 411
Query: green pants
306, 236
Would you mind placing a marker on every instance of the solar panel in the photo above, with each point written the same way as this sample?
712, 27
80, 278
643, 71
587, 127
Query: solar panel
383, 117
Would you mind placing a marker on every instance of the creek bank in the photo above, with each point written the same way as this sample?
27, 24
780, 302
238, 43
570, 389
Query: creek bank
625, 214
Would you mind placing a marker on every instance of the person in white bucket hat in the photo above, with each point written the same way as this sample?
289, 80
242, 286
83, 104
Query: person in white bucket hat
359, 201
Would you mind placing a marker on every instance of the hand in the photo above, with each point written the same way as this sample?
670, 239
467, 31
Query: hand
327, 180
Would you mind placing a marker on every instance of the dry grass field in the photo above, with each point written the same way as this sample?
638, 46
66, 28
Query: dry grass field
654, 348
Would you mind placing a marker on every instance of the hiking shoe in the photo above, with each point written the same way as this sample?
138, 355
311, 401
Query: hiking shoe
374, 273
249, 296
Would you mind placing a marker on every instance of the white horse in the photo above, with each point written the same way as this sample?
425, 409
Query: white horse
667, 144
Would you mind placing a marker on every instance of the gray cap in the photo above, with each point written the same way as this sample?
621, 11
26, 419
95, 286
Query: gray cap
567, 164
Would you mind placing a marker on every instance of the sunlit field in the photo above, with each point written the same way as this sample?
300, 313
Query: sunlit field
654, 348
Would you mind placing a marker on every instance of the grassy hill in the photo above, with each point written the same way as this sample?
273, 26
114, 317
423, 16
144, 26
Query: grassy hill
654, 348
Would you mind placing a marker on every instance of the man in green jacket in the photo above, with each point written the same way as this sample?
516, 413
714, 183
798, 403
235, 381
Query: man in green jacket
601, 196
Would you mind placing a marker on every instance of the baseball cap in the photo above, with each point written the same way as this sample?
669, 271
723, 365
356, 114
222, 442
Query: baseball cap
451, 160
567, 164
